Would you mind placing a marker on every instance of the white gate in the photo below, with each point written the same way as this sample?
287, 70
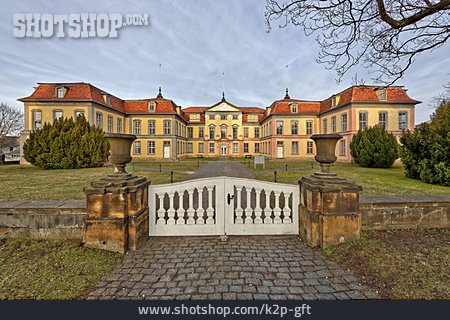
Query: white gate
223, 205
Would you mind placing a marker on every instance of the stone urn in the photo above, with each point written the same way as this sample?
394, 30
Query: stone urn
326, 155
120, 150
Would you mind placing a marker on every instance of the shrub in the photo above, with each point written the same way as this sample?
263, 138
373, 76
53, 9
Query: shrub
67, 144
374, 147
425, 152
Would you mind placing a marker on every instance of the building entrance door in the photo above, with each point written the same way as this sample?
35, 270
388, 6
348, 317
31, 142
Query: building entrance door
223, 150
280, 149
166, 149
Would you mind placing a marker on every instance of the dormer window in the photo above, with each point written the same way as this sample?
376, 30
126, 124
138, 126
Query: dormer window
294, 108
60, 92
382, 94
333, 101
194, 116
107, 99
151, 106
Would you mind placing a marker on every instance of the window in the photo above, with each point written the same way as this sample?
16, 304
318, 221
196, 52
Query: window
190, 132
137, 127
333, 124
280, 125
294, 127
151, 127
201, 132
60, 92
256, 132
57, 114
245, 132
151, 106
309, 127
37, 119
324, 126
211, 148
211, 117
119, 125
110, 124
223, 131
309, 147
212, 132
79, 113
235, 147
223, 117
189, 147
194, 116
99, 119
167, 125
235, 132
252, 117
402, 120
382, 120
333, 101
151, 147
245, 147
342, 148
344, 122
201, 147
294, 108
294, 147
256, 147
137, 147
362, 120
235, 116
382, 94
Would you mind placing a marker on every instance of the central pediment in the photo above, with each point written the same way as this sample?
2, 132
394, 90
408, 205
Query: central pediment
223, 106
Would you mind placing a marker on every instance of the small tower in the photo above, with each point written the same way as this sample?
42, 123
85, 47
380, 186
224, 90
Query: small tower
159, 93
287, 94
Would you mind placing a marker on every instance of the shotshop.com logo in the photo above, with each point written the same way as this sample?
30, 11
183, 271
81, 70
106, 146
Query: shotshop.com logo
74, 25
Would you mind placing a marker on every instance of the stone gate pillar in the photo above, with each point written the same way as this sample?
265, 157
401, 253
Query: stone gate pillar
117, 205
117, 213
329, 210
329, 205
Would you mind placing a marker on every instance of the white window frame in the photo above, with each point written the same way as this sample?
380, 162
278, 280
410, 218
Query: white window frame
344, 121
294, 127
363, 117
137, 127
110, 123
309, 127
119, 125
151, 147
400, 126
167, 125
309, 147
137, 147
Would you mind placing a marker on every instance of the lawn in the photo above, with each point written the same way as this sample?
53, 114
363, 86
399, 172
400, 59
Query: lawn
28, 182
51, 269
373, 180
400, 264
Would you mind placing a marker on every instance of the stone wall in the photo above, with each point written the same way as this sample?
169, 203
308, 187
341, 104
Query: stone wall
405, 212
42, 219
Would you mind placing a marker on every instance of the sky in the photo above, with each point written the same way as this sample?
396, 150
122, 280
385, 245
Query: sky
195, 42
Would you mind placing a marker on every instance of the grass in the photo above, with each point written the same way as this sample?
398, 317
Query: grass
375, 181
400, 264
51, 269
31, 183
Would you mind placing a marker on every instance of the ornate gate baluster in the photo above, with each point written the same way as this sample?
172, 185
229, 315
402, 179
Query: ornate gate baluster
171, 211
258, 210
286, 209
180, 210
248, 209
277, 209
210, 210
238, 211
190, 211
161, 212
268, 209
200, 210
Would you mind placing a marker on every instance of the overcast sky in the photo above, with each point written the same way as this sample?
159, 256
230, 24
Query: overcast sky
195, 42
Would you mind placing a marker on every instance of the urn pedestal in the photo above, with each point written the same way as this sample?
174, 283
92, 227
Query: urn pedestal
117, 205
329, 205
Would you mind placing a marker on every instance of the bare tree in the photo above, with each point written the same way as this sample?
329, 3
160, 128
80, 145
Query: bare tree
11, 122
384, 36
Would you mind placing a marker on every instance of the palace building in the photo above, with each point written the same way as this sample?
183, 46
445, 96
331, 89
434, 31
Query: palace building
166, 130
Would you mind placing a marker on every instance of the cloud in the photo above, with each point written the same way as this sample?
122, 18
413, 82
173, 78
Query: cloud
195, 42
